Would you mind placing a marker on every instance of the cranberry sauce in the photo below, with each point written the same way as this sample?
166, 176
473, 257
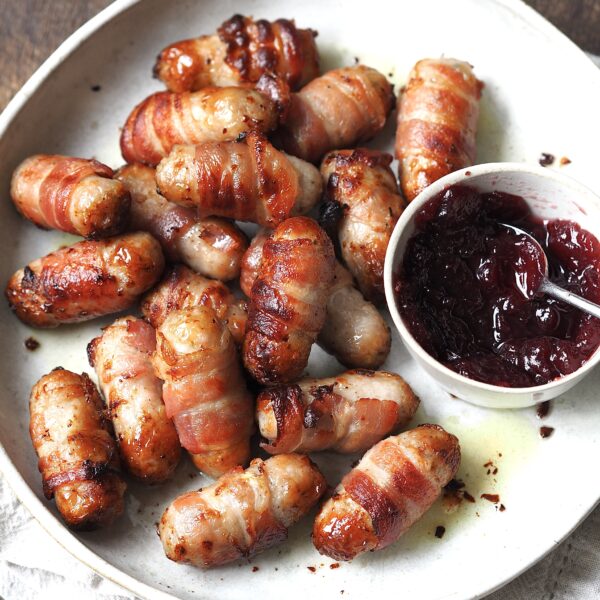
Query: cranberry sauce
467, 289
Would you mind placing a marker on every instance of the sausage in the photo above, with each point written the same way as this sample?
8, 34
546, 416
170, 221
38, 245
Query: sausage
342, 108
363, 186
211, 246
246, 180
348, 413
146, 437
391, 488
181, 288
78, 457
242, 51
437, 122
75, 195
241, 514
354, 330
288, 301
204, 389
252, 259
165, 119
86, 280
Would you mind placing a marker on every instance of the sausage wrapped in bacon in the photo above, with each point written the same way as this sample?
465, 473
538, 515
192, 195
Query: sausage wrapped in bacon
354, 330
85, 280
75, 195
391, 488
242, 51
181, 288
78, 457
211, 246
437, 122
204, 389
342, 108
166, 119
361, 183
348, 413
243, 513
246, 180
147, 439
288, 300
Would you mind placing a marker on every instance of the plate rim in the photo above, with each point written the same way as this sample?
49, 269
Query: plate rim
49, 522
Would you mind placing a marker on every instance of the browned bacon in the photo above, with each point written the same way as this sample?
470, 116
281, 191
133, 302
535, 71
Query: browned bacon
78, 457
391, 488
288, 301
342, 108
347, 413
247, 180
147, 439
85, 280
204, 390
437, 122
242, 51
243, 513
75, 195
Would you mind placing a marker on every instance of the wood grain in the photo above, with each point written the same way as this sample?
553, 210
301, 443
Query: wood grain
31, 29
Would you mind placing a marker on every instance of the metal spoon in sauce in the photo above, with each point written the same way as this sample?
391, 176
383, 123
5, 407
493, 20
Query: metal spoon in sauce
529, 283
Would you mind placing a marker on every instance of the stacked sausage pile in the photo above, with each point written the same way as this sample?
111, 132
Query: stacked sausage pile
234, 138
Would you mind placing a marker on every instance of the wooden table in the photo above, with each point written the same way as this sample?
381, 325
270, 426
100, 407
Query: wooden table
31, 29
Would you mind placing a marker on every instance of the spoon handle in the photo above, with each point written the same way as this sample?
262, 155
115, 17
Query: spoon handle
561, 294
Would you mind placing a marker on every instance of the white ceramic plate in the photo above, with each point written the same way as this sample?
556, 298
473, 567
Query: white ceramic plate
541, 95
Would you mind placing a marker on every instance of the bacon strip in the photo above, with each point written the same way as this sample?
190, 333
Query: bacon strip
85, 280
437, 122
212, 247
147, 439
354, 330
204, 389
342, 108
181, 288
77, 454
247, 180
75, 195
391, 488
243, 51
166, 119
348, 413
288, 300
243, 513
362, 185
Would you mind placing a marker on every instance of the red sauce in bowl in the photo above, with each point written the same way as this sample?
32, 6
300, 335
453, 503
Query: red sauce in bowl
466, 289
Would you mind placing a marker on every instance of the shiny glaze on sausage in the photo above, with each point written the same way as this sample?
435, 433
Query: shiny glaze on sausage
212, 247
437, 122
204, 389
246, 180
390, 489
241, 514
85, 280
361, 183
288, 301
242, 51
78, 457
75, 195
146, 437
347, 413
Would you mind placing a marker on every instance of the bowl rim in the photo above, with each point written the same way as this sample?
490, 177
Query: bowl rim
465, 176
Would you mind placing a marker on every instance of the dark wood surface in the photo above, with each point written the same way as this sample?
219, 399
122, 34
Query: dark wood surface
31, 29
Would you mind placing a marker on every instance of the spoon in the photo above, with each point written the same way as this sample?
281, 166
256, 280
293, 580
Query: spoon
545, 285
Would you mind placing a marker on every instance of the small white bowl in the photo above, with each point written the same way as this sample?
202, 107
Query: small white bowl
550, 195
